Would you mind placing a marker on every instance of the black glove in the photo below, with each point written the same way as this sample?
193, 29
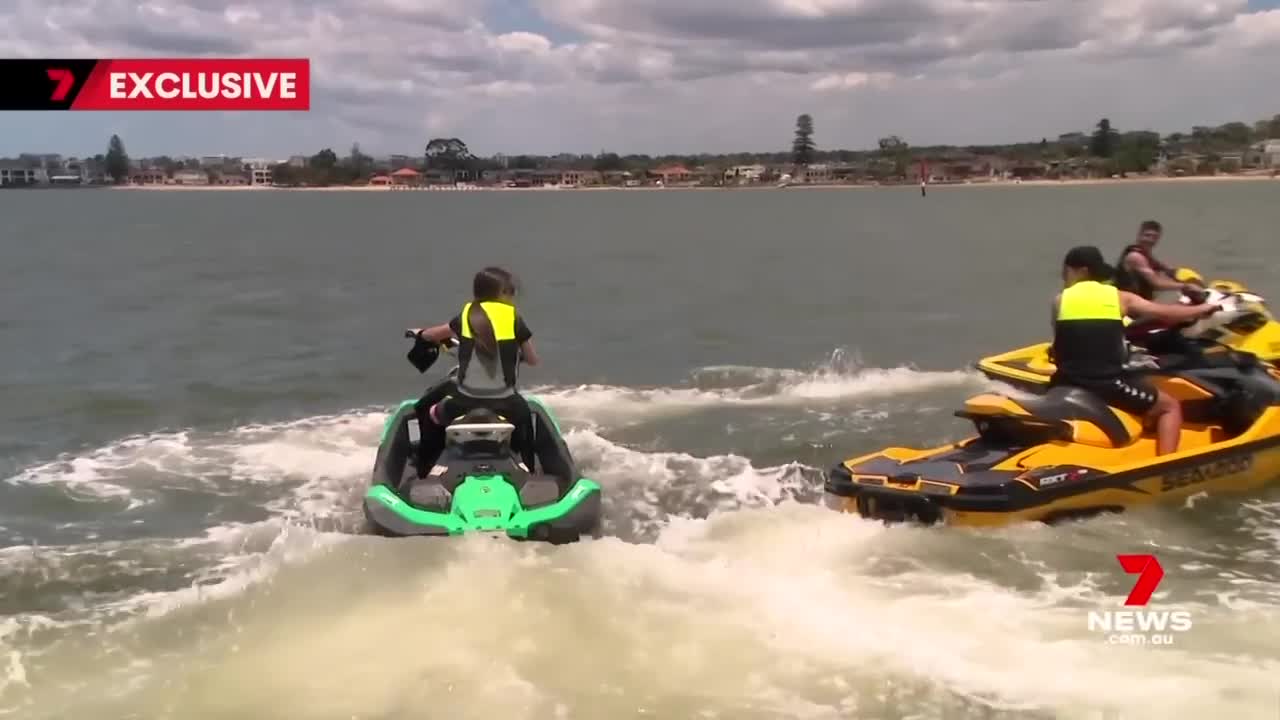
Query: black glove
423, 354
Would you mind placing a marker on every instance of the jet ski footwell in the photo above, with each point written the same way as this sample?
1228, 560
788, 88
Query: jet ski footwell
1066, 455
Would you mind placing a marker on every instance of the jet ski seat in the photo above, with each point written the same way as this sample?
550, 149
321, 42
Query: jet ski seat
480, 434
1064, 413
479, 415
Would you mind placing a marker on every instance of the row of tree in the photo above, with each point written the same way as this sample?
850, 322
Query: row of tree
325, 168
1112, 151
448, 155
1129, 151
1107, 148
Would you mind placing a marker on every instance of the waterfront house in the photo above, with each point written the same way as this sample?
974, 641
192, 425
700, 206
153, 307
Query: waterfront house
742, 174
259, 170
707, 175
15, 172
577, 178
191, 177
816, 173
618, 178
67, 179
436, 176
547, 177
72, 171
518, 178
1027, 170
844, 172
1231, 162
1186, 164
147, 177
670, 174
992, 166
1271, 154
406, 177
1264, 154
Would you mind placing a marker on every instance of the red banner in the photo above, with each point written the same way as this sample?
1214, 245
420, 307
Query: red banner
224, 84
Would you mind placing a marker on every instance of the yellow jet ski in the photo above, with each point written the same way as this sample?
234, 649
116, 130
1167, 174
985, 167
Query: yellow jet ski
1065, 454
1247, 326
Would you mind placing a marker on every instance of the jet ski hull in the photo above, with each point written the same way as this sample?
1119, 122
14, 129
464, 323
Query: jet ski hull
1065, 455
479, 486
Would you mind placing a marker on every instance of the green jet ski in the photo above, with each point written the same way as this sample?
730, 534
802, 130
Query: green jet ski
467, 478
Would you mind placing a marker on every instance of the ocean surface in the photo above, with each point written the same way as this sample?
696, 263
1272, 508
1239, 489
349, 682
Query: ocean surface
192, 385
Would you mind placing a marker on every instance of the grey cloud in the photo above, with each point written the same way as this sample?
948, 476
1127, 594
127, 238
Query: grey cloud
429, 13
455, 59
212, 6
342, 95
898, 36
764, 31
184, 43
757, 24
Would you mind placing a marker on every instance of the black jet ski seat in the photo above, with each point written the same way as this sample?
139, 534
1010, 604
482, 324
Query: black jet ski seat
1063, 413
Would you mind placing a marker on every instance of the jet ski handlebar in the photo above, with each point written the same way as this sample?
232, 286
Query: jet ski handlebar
447, 345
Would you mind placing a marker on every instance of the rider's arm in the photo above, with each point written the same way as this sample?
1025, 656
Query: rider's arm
440, 333
524, 336
529, 353
1053, 323
1137, 262
1134, 305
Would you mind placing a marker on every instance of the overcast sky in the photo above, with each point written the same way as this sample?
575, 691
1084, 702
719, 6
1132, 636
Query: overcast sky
655, 76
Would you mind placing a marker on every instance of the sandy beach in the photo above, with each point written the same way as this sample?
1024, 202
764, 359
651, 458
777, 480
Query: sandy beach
763, 186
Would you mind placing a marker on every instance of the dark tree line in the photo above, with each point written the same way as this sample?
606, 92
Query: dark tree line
1105, 147
325, 168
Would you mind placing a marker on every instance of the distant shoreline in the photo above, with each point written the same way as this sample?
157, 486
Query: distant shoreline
757, 187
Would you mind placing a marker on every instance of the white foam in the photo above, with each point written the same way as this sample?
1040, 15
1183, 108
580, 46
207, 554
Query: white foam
730, 475
781, 611
612, 404
645, 489
312, 452
326, 462
325, 456
786, 578
99, 474
291, 546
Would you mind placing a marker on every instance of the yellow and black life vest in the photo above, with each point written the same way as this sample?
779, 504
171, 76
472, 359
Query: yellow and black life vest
1088, 333
492, 376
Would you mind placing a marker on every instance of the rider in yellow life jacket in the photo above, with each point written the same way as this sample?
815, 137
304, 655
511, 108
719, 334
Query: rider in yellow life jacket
1089, 346
492, 340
